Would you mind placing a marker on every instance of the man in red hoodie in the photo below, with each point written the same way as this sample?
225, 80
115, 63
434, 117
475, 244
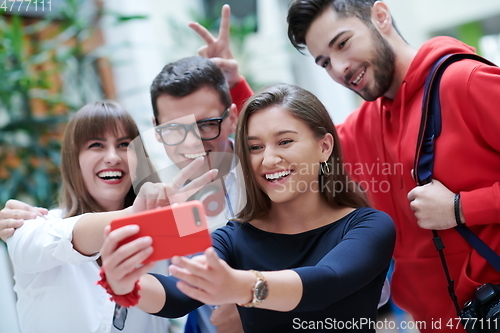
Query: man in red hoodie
358, 44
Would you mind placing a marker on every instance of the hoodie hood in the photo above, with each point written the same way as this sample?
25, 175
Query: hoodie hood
426, 56
393, 113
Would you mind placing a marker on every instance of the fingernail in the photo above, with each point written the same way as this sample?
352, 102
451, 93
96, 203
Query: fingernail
33, 215
132, 227
146, 239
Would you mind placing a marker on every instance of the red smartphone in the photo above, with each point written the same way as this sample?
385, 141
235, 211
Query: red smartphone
176, 230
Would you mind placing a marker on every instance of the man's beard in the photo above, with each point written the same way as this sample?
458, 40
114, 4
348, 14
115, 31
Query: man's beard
383, 64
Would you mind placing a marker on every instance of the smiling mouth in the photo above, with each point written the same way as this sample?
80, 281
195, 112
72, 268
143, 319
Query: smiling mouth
110, 175
277, 176
358, 78
194, 156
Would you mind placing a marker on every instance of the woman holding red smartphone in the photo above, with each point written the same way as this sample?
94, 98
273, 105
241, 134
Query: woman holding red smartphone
306, 252
54, 256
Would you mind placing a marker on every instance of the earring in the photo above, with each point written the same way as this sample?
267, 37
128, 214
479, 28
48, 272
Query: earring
324, 169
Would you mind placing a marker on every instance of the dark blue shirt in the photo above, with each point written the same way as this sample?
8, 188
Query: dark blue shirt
342, 265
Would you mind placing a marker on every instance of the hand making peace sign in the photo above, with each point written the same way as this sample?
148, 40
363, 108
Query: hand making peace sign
218, 49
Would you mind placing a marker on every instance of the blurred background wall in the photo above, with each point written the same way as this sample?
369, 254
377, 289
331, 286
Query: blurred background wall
267, 56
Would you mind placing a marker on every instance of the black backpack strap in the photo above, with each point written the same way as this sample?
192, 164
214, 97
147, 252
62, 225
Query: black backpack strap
429, 131
481, 247
430, 124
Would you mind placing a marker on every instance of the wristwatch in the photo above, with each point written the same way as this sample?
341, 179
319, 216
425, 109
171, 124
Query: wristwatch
259, 291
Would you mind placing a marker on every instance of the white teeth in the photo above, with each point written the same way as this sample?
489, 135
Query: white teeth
110, 174
193, 156
358, 79
277, 175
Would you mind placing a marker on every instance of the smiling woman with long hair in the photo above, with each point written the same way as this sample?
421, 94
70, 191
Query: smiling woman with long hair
305, 252
54, 257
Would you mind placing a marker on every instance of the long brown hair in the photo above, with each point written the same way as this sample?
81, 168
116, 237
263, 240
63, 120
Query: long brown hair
336, 187
91, 121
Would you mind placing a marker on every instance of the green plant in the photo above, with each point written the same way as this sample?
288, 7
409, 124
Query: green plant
44, 77
29, 154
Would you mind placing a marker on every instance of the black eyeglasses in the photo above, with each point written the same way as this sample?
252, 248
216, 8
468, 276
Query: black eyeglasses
175, 134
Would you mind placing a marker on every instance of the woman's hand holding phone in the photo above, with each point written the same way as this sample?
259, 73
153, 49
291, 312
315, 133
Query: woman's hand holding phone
211, 280
122, 264
123, 261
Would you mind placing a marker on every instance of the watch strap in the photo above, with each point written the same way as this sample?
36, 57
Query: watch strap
255, 301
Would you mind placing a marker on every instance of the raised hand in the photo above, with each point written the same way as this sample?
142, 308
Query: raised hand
14, 213
154, 195
218, 49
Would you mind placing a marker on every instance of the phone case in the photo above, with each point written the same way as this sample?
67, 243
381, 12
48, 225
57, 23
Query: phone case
180, 229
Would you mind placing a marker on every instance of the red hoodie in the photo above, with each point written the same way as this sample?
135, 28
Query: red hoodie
379, 142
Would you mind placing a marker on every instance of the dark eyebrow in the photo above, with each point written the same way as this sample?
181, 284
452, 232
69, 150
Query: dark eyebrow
104, 139
285, 132
276, 134
334, 39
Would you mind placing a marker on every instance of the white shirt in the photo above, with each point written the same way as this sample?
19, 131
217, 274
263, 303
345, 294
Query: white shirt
56, 285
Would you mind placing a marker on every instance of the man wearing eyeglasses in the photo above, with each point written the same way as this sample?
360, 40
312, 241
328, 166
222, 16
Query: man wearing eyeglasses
196, 86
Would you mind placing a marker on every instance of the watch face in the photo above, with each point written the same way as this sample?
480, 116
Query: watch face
261, 290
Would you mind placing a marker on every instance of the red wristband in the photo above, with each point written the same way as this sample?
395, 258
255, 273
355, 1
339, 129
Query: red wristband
127, 300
